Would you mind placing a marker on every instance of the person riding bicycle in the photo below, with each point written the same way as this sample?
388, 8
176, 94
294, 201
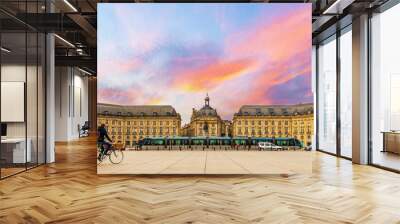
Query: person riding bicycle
103, 139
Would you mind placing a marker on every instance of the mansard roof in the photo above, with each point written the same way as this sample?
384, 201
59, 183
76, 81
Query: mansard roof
136, 110
276, 110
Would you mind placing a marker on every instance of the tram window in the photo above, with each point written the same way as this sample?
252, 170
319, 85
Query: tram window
196, 142
158, 142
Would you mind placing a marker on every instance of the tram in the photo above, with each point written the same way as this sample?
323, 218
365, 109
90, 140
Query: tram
214, 143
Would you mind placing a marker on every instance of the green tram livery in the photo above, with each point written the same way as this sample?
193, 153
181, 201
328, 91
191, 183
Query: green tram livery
214, 143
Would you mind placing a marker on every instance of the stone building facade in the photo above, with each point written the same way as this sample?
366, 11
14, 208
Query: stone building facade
206, 122
275, 121
128, 124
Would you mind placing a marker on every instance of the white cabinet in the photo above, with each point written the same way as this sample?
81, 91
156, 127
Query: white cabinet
17, 147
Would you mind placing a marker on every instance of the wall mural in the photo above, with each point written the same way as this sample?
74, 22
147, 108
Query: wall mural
180, 76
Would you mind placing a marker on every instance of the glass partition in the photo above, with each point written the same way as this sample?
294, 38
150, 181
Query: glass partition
22, 77
13, 115
346, 93
327, 95
31, 97
385, 89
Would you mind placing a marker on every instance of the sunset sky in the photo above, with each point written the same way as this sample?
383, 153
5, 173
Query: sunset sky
173, 54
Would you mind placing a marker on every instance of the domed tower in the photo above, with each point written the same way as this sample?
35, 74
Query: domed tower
206, 121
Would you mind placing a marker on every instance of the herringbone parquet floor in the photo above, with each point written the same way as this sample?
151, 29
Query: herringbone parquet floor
70, 191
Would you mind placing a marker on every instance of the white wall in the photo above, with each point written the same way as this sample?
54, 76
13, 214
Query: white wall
33, 126
12, 73
71, 102
80, 103
61, 103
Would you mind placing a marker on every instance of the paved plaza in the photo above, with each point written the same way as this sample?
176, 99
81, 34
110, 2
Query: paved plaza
210, 162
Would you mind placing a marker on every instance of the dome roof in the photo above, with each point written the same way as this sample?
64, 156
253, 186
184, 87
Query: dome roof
206, 110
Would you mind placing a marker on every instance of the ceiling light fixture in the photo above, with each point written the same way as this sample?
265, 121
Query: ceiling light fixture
5, 50
84, 71
70, 5
337, 7
79, 51
64, 40
328, 10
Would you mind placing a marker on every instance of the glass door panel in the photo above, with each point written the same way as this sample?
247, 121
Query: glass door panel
385, 89
31, 98
346, 93
14, 154
327, 96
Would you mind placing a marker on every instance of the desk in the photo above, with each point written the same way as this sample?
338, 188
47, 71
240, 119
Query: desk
13, 150
391, 142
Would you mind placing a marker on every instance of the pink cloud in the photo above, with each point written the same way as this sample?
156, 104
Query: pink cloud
119, 66
272, 39
284, 56
119, 96
207, 77
276, 59
129, 96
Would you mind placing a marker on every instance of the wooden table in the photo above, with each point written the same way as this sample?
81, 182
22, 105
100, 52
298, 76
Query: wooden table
391, 141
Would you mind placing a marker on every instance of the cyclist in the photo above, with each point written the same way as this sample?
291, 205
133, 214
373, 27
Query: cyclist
103, 140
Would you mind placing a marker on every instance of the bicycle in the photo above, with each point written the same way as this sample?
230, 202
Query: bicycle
116, 156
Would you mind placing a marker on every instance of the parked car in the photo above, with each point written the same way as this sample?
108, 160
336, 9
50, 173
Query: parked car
268, 146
